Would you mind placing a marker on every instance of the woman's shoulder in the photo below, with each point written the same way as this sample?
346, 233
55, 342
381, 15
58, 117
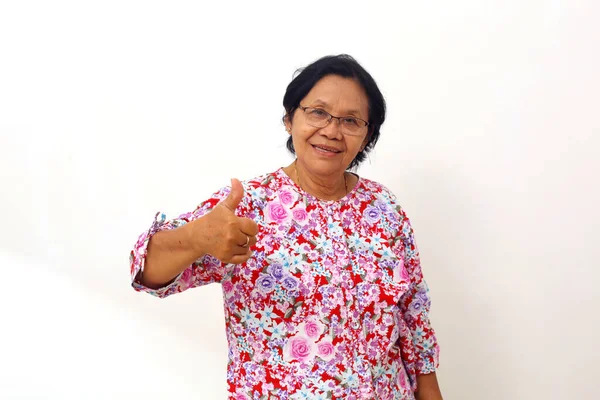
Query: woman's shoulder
263, 179
264, 187
383, 196
266, 180
377, 189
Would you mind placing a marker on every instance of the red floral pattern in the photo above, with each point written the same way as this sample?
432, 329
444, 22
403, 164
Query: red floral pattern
332, 304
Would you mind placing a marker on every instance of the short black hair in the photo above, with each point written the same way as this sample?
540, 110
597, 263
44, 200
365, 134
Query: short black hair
347, 67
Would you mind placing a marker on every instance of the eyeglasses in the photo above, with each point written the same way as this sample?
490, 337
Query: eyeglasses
320, 118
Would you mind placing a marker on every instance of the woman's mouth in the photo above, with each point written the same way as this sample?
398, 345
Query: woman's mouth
326, 149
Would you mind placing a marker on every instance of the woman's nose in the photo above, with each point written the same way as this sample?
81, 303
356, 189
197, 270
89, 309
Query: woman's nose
332, 130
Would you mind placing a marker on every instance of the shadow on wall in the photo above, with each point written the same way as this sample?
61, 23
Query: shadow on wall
471, 324
64, 342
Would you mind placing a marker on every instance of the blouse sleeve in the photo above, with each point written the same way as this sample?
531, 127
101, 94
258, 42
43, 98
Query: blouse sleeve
415, 304
203, 271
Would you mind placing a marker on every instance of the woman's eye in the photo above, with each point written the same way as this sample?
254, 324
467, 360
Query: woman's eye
350, 121
318, 113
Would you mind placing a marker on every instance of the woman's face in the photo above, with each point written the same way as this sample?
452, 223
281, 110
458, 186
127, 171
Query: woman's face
326, 151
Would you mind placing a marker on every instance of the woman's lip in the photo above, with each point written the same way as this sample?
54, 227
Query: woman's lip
327, 148
324, 153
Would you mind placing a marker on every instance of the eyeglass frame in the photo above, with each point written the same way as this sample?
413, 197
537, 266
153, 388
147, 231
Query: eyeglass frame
331, 116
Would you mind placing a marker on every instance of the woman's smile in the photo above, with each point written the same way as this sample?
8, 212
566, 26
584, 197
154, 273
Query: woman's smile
325, 150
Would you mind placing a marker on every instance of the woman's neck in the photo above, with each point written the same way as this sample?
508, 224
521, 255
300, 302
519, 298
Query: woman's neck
325, 188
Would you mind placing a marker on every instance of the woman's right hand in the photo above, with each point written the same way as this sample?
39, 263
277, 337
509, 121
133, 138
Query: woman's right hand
224, 235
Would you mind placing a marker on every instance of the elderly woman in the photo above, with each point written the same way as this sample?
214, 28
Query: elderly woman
323, 289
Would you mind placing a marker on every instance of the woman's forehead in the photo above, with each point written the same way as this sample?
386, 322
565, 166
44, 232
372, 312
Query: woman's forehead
339, 93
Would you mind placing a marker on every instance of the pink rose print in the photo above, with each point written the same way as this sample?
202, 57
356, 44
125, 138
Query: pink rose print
292, 307
299, 348
325, 350
400, 273
276, 213
187, 276
287, 197
312, 329
227, 286
300, 215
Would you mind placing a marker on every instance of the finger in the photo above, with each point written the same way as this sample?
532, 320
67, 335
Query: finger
248, 226
235, 195
252, 241
239, 259
239, 239
239, 250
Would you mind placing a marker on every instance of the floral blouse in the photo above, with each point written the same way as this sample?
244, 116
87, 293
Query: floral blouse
332, 304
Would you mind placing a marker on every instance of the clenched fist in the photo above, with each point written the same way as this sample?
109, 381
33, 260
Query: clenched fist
223, 234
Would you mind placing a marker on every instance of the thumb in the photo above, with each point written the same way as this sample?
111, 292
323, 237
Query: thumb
235, 196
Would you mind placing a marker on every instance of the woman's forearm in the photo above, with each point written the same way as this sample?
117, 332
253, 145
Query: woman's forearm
169, 253
428, 388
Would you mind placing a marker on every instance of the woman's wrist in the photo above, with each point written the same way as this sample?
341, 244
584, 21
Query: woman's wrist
428, 387
194, 237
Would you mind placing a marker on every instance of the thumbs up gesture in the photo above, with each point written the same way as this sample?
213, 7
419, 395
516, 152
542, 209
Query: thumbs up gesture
223, 234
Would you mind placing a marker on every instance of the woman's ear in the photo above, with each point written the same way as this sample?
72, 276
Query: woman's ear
364, 143
287, 123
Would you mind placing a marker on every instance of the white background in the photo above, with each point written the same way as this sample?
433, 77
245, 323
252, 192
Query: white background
113, 110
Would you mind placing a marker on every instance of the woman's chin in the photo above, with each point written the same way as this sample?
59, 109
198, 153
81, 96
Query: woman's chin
324, 167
